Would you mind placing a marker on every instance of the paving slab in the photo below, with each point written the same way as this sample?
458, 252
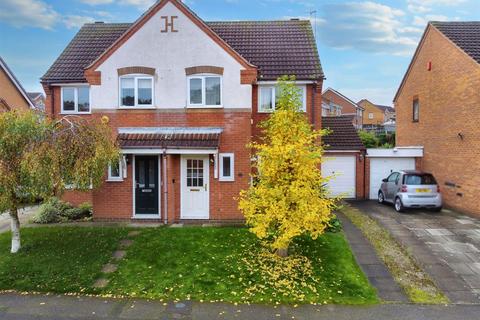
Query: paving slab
119, 255
445, 245
375, 270
109, 268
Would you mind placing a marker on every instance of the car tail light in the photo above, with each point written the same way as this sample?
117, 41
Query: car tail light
438, 188
404, 188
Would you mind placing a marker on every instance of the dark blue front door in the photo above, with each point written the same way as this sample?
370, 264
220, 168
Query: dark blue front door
146, 185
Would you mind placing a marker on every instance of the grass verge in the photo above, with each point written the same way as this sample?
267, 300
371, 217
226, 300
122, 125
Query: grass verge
227, 264
416, 283
57, 259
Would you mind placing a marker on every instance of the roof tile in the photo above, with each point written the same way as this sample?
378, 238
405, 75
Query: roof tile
343, 134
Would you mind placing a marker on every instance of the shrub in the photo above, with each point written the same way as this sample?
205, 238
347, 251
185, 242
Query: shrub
48, 212
55, 210
334, 225
368, 138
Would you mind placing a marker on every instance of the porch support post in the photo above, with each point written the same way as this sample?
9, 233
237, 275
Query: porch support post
165, 188
215, 165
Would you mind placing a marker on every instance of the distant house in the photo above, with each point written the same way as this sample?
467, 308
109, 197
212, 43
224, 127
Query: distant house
376, 117
38, 99
437, 107
336, 104
12, 94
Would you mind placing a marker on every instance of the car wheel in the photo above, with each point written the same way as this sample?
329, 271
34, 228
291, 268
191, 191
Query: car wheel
399, 205
381, 197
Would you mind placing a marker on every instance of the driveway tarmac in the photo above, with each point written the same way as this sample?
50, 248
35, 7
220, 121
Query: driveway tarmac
24, 214
446, 245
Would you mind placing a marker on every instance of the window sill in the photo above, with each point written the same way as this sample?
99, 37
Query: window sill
203, 107
74, 113
137, 108
226, 179
114, 180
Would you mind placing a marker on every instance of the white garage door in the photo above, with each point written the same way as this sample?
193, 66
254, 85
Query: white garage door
380, 168
343, 170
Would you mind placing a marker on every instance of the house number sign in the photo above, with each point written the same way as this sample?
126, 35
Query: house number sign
169, 24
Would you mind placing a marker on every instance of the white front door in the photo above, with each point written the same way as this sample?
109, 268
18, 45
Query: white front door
195, 193
342, 171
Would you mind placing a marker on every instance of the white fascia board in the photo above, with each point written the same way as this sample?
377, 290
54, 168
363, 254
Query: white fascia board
159, 151
398, 152
276, 82
170, 130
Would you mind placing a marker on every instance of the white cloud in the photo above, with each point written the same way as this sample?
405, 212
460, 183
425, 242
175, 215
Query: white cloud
366, 26
141, 4
74, 21
97, 2
28, 13
424, 6
423, 20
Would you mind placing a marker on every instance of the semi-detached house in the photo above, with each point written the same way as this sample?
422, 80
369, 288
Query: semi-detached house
184, 98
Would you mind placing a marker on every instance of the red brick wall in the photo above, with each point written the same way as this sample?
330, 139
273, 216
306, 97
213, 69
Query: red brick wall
449, 97
76, 198
114, 199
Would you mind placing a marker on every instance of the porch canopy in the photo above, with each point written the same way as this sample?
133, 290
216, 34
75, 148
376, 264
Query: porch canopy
172, 140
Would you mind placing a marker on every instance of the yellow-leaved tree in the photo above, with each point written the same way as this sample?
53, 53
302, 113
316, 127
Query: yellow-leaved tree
288, 196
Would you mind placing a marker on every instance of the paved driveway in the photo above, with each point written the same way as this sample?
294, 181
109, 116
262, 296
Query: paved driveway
446, 244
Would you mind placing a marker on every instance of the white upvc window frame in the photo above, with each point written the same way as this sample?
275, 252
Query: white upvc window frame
121, 171
136, 78
273, 88
370, 115
203, 104
75, 94
223, 178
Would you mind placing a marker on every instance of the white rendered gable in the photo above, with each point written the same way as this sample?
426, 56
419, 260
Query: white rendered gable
169, 53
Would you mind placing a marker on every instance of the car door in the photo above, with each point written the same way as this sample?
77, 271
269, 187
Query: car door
391, 185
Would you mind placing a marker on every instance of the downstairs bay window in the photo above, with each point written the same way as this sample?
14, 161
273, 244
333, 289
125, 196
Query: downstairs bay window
269, 95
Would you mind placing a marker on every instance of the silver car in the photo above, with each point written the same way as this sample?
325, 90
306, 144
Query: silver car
411, 189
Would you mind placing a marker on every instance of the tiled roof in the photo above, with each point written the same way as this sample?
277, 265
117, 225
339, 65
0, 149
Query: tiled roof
464, 34
91, 41
170, 138
385, 108
275, 47
343, 134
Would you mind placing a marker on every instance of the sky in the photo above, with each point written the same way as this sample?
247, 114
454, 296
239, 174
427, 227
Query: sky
365, 46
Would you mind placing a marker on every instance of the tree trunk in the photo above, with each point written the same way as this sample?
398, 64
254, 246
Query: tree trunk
283, 252
15, 229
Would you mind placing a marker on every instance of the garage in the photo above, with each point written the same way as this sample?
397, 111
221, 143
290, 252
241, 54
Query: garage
342, 170
385, 161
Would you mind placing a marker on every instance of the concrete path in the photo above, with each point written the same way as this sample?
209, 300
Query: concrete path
24, 214
375, 270
446, 244
42, 307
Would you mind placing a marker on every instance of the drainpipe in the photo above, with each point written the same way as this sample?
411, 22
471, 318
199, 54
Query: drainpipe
314, 93
165, 188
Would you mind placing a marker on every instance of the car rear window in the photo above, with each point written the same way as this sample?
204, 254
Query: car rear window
419, 179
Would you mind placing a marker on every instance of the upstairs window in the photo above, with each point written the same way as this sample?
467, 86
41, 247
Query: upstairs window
75, 100
370, 115
269, 95
136, 92
205, 91
416, 110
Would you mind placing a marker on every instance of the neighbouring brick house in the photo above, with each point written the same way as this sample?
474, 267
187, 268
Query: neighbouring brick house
336, 104
184, 97
38, 100
12, 94
376, 116
437, 108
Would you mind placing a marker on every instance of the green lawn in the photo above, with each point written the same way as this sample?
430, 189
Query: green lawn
202, 264
57, 259
207, 264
